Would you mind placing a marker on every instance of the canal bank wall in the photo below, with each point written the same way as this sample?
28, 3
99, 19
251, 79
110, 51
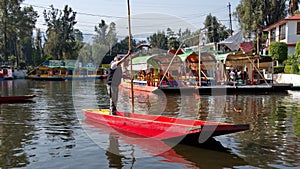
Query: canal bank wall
288, 78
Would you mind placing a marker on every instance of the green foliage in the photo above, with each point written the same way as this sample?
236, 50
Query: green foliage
288, 69
16, 27
291, 69
173, 43
278, 51
254, 15
216, 31
297, 49
278, 69
12, 58
159, 40
295, 68
61, 42
294, 60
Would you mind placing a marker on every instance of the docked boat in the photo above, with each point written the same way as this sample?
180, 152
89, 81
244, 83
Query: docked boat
162, 127
169, 152
6, 72
178, 71
58, 70
12, 99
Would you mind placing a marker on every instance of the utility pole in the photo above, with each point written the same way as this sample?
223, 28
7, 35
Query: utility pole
229, 7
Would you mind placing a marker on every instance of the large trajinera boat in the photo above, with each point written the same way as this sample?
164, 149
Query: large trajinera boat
162, 127
58, 70
179, 70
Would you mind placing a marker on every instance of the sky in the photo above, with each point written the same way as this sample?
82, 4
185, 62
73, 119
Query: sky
147, 16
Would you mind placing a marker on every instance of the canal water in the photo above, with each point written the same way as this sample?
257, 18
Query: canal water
51, 131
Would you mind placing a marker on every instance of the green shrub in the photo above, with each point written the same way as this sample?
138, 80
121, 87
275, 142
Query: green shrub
295, 68
278, 51
278, 69
288, 69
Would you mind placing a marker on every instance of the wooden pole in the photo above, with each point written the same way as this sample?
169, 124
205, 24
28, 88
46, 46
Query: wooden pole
199, 59
130, 49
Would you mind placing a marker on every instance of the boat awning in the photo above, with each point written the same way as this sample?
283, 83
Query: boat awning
158, 61
140, 62
192, 57
221, 56
243, 59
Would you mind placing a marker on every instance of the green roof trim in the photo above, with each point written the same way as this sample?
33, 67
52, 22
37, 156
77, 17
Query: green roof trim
222, 56
185, 55
141, 59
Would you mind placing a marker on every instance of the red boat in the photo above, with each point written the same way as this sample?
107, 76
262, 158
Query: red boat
11, 99
162, 127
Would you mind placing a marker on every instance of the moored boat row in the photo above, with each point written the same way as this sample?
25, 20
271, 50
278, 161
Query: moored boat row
181, 70
58, 70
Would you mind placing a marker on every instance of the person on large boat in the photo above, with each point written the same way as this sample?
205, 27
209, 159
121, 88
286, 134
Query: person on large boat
114, 80
162, 77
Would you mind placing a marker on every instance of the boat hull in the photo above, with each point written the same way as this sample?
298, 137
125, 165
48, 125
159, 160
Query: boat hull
11, 99
215, 90
161, 127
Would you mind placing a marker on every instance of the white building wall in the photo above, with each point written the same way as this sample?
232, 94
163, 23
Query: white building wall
291, 36
277, 34
291, 29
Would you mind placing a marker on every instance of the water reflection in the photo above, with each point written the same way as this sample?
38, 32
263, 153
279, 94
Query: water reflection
124, 149
48, 120
15, 134
46, 133
113, 152
273, 139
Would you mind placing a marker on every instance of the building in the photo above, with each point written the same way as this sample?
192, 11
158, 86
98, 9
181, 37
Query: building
286, 30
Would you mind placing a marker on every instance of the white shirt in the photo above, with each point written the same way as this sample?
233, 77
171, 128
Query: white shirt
114, 65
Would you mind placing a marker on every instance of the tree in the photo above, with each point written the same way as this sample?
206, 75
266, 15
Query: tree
159, 40
278, 51
104, 42
16, 29
216, 31
61, 42
101, 31
254, 15
173, 40
294, 59
293, 6
38, 50
26, 24
112, 36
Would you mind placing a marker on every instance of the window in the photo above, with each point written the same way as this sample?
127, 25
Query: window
282, 32
298, 28
272, 36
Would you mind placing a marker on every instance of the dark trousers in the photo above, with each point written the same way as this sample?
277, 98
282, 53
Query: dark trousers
113, 97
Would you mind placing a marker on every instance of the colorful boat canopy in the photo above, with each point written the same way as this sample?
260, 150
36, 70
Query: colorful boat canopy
192, 57
157, 61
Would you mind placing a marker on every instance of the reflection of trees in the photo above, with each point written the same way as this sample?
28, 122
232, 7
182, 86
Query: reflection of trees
270, 138
60, 118
15, 126
14, 135
273, 125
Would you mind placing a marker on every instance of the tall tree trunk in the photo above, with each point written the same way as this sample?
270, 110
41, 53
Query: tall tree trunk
293, 6
5, 17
